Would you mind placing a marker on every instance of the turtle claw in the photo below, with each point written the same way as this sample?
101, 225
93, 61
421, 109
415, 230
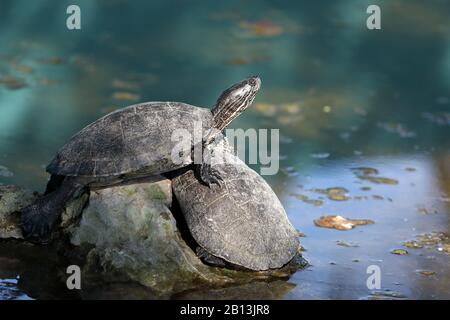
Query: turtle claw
208, 175
38, 220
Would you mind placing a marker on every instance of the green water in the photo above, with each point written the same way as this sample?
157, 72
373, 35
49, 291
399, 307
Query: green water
341, 95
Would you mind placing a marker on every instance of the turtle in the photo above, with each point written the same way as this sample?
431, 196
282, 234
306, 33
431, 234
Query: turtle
241, 222
140, 140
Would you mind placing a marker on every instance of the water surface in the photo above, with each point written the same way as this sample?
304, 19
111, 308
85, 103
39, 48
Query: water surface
342, 96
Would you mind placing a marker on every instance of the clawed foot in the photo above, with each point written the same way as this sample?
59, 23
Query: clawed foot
38, 221
208, 175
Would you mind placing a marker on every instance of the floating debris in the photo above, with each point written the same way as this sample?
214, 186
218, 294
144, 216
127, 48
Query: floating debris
364, 171
335, 193
400, 252
360, 198
413, 245
340, 223
262, 28
284, 139
360, 111
439, 118
290, 171
265, 108
377, 197
53, 60
437, 240
347, 244
379, 180
124, 85
323, 155
386, 294
326, 109
238, 61
396, 128
143, 78
110, 109
125, 96
308, 200
426, 273
370, 174
344, 136
426, 211
24, 69
410, 169
83, 63
366, 188
444, 248
291, 108
48, 82
5, 172
442, 100
12, 83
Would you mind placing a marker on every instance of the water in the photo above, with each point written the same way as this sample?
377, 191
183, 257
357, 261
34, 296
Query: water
341, 95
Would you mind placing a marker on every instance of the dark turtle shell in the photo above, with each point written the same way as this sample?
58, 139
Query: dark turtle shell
242, 222
136, 138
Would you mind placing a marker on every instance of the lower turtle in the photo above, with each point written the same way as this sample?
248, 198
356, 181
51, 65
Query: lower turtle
135, 141
240, 222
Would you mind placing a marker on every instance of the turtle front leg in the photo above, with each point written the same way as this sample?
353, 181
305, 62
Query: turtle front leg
204, 170
40, 218
207, 174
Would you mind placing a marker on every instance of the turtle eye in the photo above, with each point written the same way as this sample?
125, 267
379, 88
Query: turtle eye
252, 81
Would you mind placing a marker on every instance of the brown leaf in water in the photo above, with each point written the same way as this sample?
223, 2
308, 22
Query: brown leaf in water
12, 83
340, 223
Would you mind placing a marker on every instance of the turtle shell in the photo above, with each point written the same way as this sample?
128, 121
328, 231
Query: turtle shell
242, 221
135, 138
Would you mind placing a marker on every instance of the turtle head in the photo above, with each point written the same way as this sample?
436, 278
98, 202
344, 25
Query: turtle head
233, 101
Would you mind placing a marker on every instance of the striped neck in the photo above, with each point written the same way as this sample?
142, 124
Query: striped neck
233, 101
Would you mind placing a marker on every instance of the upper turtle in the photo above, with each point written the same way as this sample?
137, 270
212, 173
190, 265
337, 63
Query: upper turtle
141, 136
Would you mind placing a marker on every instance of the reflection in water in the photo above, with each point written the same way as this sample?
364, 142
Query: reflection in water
342, 97
251, 291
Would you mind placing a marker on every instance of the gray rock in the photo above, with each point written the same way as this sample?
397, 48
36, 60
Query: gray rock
12, 199
134, 232
128, 232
